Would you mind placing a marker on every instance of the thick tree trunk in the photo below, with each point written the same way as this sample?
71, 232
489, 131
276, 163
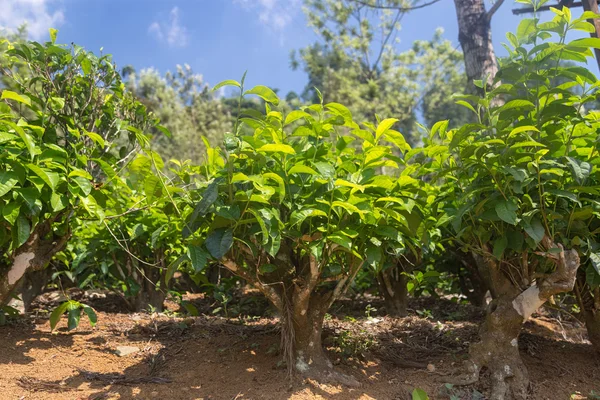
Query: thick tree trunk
392, 286
31, 256
497, 349
475, 37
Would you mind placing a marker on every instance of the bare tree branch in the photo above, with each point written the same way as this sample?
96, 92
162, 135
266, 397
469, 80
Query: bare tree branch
494, 8
401, 9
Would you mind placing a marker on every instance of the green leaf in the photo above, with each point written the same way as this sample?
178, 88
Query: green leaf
535, 229
22, 230
53, 33
73, 318
152, 188
198, 257
56, 313
58, 202
84, 184
91, 206
264, 93
8, 180
341, 239
267, 268
261, 223
155, 236
96, 138
86, 66
171, 268
81, 173
326, 169
56, 103
50, 178
7, 94
506, 211
277, 148
467, 105
302, 169
419, 394
295, 115
592, 276
91, 314
384, 126
580, 171
518, 103
595, 259
500, 245
583, 26
208, 198
219, 242
29, 143
339, 109
10, 212
585, 43
525, 128
280, 182
297, 217
227, 82
108, 170
526, 29
351, 208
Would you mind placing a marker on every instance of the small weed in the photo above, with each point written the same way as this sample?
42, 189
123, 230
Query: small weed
369, 309
353, 343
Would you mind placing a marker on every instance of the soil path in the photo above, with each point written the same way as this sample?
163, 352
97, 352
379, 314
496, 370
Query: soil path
214, 358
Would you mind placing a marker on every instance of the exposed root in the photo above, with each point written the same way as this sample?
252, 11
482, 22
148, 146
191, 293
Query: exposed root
331, 377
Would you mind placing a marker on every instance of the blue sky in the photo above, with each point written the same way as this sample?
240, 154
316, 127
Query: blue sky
217, 38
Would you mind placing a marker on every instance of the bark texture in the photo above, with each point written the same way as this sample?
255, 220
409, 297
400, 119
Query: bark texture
149, 294
472, 283
589, 302
33, 255
592, 5
498, 349
33, 285
392, 285
475, 37
592, 323
303, 297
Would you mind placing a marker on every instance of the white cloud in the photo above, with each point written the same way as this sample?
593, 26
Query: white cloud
276, 15
170, 31
39, 15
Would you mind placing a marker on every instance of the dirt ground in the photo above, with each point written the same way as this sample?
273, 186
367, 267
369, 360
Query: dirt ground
211, 357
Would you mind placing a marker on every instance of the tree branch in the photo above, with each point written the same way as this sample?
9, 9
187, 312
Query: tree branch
494, 8
399, 8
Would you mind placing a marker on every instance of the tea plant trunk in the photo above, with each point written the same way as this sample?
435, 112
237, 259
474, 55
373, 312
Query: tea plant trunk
392, 285
589, 303
33, 255
592, 323
33, 285
302, 306
472, 283
497, 349
475, 37
307, 325
150, 294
